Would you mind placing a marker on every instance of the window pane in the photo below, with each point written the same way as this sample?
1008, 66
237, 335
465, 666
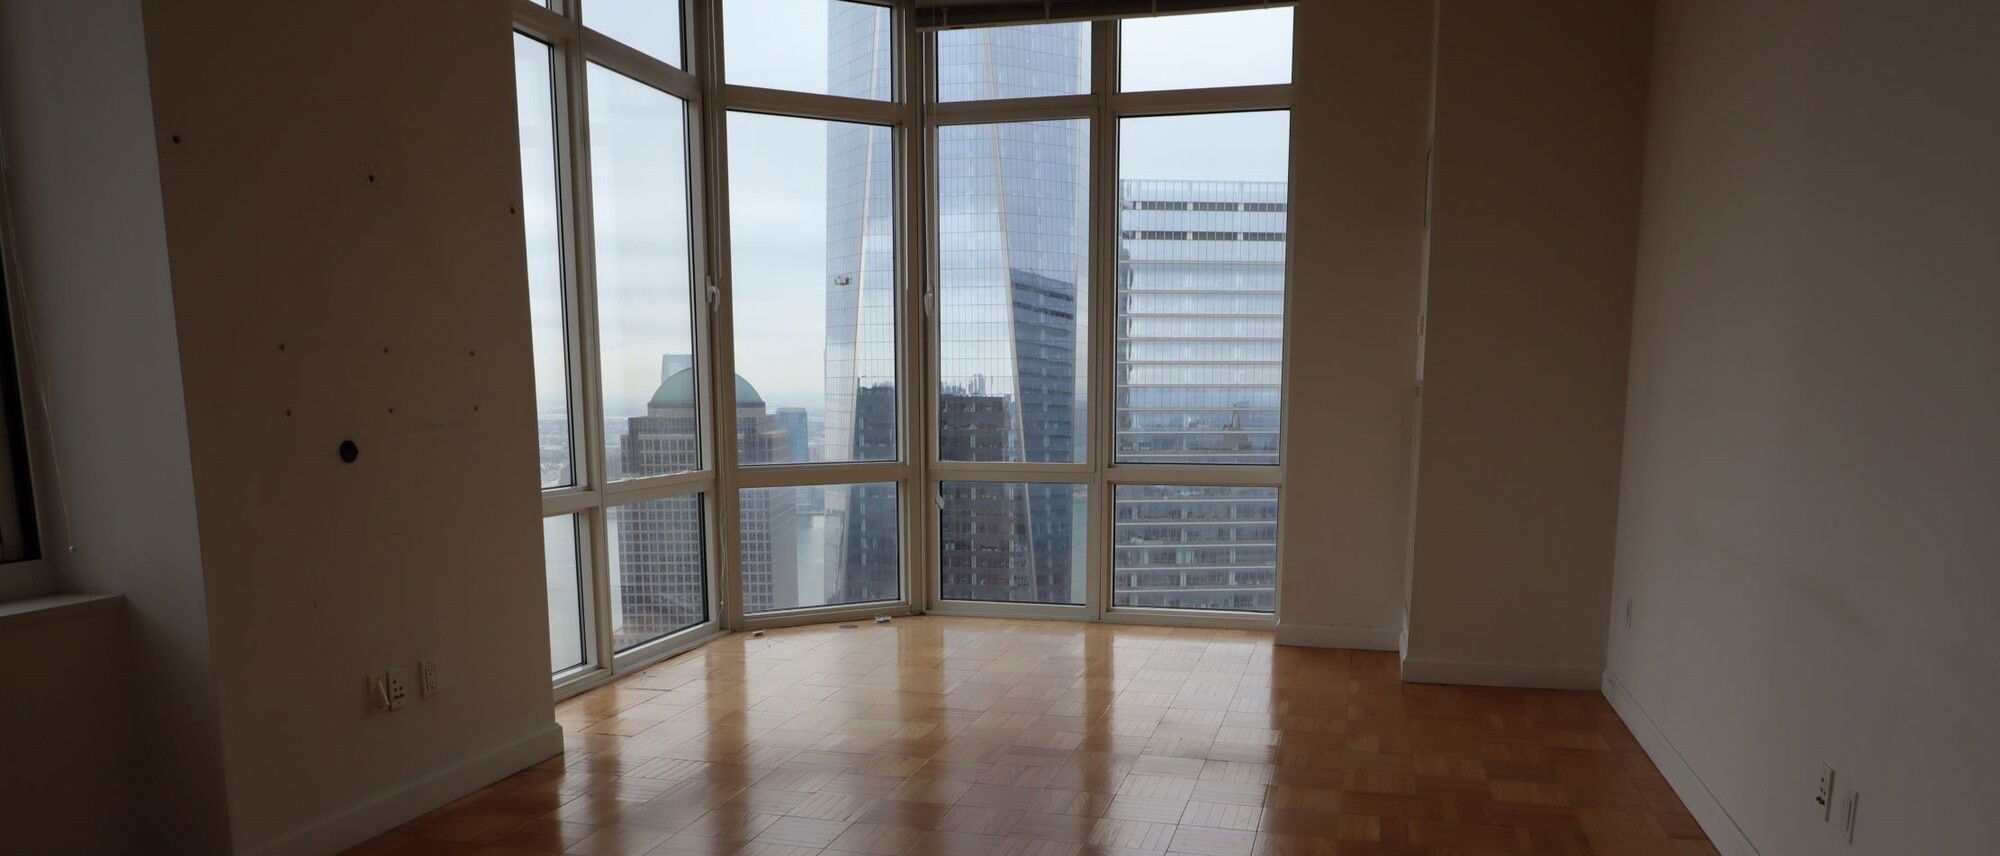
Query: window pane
639, 203
1195, 547
659, 579
566, 645
1216, 49
825, 544
1013, 256
812, 224
652, 26
1013, 542
1201, 287
541, 220
827, 47
1013, 62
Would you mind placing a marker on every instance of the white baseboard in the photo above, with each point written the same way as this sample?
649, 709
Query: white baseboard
385, 811
1722, 830
1339, 636
1432, 670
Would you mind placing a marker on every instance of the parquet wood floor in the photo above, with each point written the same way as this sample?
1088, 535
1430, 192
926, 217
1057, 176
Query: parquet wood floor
937, 735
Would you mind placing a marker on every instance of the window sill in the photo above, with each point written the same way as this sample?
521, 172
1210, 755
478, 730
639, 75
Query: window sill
33, 609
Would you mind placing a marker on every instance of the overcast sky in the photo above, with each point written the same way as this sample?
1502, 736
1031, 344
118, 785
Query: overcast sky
778, 182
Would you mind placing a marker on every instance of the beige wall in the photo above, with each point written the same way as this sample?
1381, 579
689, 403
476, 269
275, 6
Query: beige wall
1811, 486
84, 188
1363, 72
68, 756
344, 186
1537, 118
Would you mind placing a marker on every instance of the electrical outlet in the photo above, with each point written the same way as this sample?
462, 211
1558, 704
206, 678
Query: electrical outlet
1823, 795
427, 671
1628, 613
397, 684
378, 694
1850, 806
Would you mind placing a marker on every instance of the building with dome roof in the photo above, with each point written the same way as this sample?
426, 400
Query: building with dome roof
657, 565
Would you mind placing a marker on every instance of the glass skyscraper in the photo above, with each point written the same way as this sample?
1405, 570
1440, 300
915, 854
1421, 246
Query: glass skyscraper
1198, 332
1198, 337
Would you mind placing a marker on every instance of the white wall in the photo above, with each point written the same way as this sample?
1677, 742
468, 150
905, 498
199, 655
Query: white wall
345, 185
84, 187
1538, 114
1363, 79
1811, 485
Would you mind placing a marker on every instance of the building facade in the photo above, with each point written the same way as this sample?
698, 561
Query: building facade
659, 579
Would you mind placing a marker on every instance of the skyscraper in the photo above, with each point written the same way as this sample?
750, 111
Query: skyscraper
1200, 291
659, 544
862, 530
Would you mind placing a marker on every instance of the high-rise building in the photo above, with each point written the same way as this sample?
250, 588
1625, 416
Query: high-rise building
862, 530
795, 421
1200, 300
659, 544
1199, 360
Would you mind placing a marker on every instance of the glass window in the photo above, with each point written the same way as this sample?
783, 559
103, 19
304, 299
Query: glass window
819, 545
1195, 547
1013, 291
1201, 287
1014, 542
826, 47
566, 642
1013, 62
652, 26
659, 573
1215, 49
639, 203
812, 226
541, 220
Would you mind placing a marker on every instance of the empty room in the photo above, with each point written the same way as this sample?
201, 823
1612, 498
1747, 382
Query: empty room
1022, 427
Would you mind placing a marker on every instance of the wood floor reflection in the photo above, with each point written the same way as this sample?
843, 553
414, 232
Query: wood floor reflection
975, 736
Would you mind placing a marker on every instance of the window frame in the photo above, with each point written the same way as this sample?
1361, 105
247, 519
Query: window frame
27, 522
591, 495
707, 99
1104, 107
913, 114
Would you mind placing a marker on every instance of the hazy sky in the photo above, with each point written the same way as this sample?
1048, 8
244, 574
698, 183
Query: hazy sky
778, 182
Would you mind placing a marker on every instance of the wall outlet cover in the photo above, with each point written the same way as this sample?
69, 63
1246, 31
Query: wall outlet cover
397, 683
427, 671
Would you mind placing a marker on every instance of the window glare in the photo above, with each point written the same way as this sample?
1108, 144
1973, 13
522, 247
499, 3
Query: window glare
1214, 49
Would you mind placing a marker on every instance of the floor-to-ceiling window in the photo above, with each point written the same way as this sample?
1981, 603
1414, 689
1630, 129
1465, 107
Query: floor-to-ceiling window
711, 202
611, 207
834, 316
814, 132
1108, 276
